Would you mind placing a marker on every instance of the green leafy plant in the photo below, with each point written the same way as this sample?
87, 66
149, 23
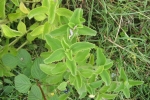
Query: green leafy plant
69, 64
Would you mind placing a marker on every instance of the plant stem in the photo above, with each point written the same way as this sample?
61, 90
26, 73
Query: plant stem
39, 85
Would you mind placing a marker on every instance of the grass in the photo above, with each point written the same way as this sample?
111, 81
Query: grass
124, 34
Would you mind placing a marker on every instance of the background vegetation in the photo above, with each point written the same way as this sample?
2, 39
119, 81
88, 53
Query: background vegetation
123, 28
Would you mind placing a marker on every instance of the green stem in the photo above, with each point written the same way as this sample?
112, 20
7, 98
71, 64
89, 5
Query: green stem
22, 45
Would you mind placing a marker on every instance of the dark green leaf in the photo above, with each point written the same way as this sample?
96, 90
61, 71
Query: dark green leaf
9, 60
35, 93
36, 72
22, 83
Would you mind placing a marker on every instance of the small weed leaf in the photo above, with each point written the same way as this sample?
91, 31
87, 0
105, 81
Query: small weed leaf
22, 83
86, 31
106, 77
21, 27
23, 8
101, 59
37, 31
64, 12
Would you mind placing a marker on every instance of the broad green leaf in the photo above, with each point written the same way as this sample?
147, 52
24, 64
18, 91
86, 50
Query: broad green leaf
55, 79
36, 72
69, 54
71, 79
7, 89
57, 55
63, 97
75, 18
37, 11
79, 46
112, 87
45, 3
90, 89
35, 93
62, 30
64, 12
53, 42
10, 32
40, 17
135, 82
47, 28
21, 27
16, 2
120, 86
123, 77
108, 64
47, 69
106, 77
82, 91
23, 8
92, 78
52, 11
91, 60
86, 31
54, 97
103, 89
22, 83
2, 8
59, 68
96, 84
78, 81
5, 71
14, 16
108, 96
62, 86
82, 55
101, 59
64, 44
126, 92
24, 58
37, 31
9, 60
71, 65
99, 70
86, 73
30, 38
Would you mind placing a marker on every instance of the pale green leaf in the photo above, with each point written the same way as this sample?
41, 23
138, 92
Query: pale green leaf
2, 8
64, 12
109, 96
62, 86
108, 64
78, 81
23, 8
96, 84
37, 31
36, 72
135, 82
22, 83
46, 3
9, 61
40, 17
79, 46
55, 79
37, 11
101, 59
112, 87
62, 30
86, 72
21, 27
53, 42
59, 68
16, 2
71, 65
57, 55
86, 31
105, 75
35, 93
126, 92
14, 16
123, 77
8, 32
47, 69
82, 55
99, 69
